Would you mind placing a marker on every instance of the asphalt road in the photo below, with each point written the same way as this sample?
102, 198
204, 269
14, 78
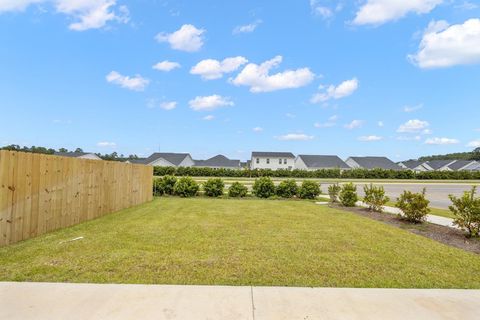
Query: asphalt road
436, 193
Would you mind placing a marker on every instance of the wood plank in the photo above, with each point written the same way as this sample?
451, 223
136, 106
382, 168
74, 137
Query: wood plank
4, 170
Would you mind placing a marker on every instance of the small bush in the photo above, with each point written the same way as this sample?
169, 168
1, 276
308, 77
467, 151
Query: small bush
264, 187
214, 187
348, 195
287, 189
237, 190
414, 206
333, 191
186, 187
167, 184
467, 212
309, 190
375, 197
157, 187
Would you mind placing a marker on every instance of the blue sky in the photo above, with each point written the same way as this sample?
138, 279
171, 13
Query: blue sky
312, 77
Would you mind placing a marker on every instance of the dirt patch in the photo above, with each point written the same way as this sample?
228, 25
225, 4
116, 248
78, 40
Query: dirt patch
445, 235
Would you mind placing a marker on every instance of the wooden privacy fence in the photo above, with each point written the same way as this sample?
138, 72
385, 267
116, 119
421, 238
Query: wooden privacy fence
41, 193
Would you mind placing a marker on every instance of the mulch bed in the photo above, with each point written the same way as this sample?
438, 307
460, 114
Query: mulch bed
445, 235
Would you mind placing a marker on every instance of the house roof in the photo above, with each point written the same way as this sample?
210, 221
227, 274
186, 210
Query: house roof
173, 158
218, 161
412, 164
376, 163
72, 154
319, 161
137, 161
272, 154
460, 164
438, 164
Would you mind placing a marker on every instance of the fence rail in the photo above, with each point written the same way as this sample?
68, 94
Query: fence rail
41, 193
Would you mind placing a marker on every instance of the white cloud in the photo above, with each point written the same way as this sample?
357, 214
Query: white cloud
377, 12
355, 124
410, 109
257, 77
409, 138
474, 144
380, 124
295, 137
247, 28
136, 83
211, 69
188, 38
441, 141
370, 138
324, 8
414, 126
292, 116
332, 122
443, 45
106, 144
88, 14
168, 105
257, 129
344, 89
209, 117
166, 66
209, 103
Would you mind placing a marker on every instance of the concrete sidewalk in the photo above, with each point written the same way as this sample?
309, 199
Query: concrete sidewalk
24, 301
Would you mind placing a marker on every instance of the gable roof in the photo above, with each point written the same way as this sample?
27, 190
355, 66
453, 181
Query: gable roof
73, 154
376, 163
319, 161
173, 158
460, 164
272, 154
438, 164
412, 164
218, 161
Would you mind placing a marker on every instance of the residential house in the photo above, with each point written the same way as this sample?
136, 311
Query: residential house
372, 163
464, 165
317, 162
272, 160
218, 162
413, 165
162, 159
79, 155
439, 165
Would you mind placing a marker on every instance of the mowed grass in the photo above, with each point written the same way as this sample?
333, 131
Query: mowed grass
240, 242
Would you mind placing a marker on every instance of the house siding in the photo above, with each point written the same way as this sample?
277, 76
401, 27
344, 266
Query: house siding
274, 163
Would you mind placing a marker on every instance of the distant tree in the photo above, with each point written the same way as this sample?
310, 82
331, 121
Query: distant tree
79, 150
476, 154
62, 150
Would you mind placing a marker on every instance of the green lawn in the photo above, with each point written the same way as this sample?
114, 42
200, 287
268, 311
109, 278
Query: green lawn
240, 242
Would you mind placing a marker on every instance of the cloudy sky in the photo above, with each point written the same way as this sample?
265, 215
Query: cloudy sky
368, 77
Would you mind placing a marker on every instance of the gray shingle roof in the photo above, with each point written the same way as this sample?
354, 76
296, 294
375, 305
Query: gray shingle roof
325, 162
273, 154
219, 161
438, 164
173, 158
376, 163
412, 164
72, 154
459, 164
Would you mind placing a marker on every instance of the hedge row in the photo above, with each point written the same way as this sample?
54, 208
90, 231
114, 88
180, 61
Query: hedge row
324, 173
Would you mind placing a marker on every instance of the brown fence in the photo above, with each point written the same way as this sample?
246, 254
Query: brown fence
41, 193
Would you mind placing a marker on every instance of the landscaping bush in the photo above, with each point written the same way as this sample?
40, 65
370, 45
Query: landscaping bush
264, 187
414, 206
186, 187
467, 212
309, 190
287, 189
214, 187
375, 197
333, 191
237, 190
348, 195
167, 184
157, 187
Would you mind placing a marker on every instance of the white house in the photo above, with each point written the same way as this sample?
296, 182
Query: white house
464, 165
372, 163
439, 165
272, 160
414, 165
318, 162
79, 155
162, 159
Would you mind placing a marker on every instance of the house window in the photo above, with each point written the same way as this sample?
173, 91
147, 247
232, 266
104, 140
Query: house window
268, 161
284, 161
279, 161
258, 160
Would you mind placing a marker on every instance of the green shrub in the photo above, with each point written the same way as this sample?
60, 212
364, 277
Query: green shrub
264, 187
467, 212
414, 206
237, 190
157, 187
348, 195
287, 188
186, 187
167, 183
214, 187
333, 192
309, 190
375, 197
